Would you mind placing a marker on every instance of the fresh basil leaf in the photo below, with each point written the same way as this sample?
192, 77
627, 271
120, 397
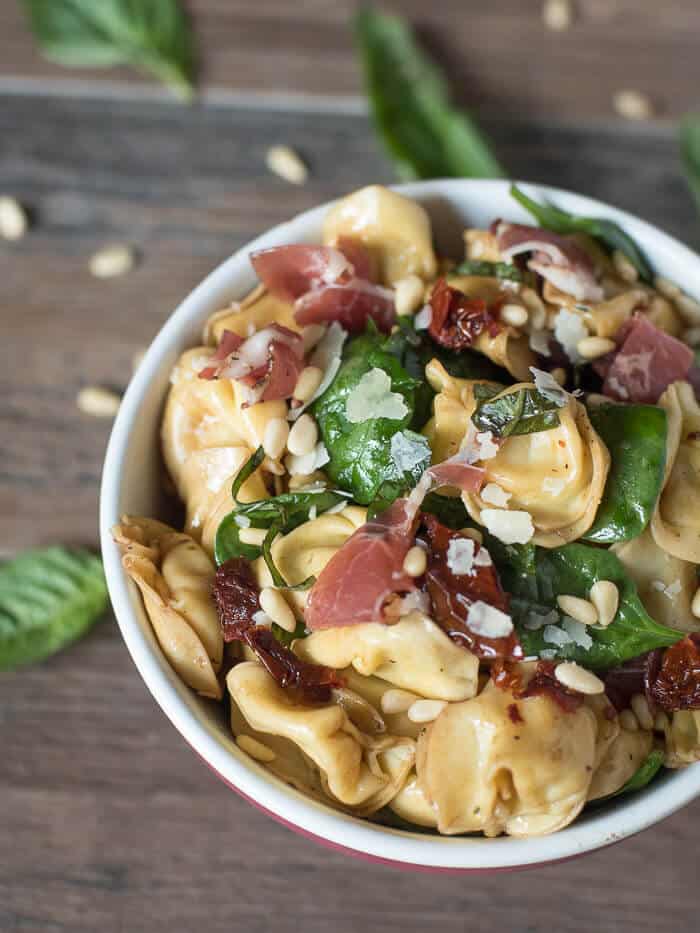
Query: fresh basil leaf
424, 135
286, 638
690, 153
48, 598
645, 773
610, 234
635, 435
493, 270
449, 510
486, 390
536, 576
150, 34
526, 411
247, 470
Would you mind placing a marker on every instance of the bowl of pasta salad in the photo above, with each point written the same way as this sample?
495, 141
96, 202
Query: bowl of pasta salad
401, 523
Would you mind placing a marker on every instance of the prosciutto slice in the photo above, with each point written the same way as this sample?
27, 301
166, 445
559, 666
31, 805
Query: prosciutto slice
646, 362
351, 305
556, 258
288, 272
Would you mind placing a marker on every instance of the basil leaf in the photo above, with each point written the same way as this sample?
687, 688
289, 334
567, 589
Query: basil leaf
424, 135
536, 576
610, 234
449, 510
689, 138
493, 270
286, 638
526, 411
48, 598
635, 435
150, 34
247, 470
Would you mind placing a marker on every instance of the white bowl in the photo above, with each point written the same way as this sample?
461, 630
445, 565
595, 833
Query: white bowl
131, 483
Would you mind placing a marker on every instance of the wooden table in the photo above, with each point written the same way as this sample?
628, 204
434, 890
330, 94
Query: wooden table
108, 821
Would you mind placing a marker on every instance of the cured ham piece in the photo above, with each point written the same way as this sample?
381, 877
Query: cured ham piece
464, 476
556, 258
356, 253
456, 320
288, 272
646, 362
351, 305
228, 344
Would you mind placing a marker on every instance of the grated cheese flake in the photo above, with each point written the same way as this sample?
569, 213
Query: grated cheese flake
488, 621
406, 451
569, 329
373, 398
577, 633
536, 620
423, 319
510, 527
547, 385
495, 495
482, 558
554, 635
305, 464
460, 556
327, 356
487, 448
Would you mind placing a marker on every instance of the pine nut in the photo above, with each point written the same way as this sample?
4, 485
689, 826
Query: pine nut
311, 335
275, 605
397, 701
632, 105
559, 375
590, 348
94, 400
535, 306
628, 720
426, 710
513, 314
577, 678
689, 309
13, 219
287, 164
624, 267
695, 605
557, 14
415, 562
606, 598
275, 437
474, 533
303, 436
408, 295
112, 261
309, 380
581, 610
661, 722
274, 467
691, 336
316, 480
255, 749
640, 708
667, 288
252, 536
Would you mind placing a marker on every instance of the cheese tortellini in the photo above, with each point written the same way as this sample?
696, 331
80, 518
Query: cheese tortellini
682, 736
256, 311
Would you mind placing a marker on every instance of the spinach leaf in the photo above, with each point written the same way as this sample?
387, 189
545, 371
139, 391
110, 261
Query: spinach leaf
247, 470
608, 232
151, 34
523, 412
645, 773
496, 270
48, 598
449, 510
635, 435
536, 576
285, 637
690, 153
424, 135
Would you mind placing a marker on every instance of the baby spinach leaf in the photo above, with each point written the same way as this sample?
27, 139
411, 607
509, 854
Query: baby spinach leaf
449, 510
424, 135
152, 34
285, 637
690, 153
48, 598
494, 270
635, 435
523, 412
535, 576
645, 773
246, 471
610, 234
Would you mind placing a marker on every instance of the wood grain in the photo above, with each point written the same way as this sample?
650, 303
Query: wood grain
500, 56
109, 822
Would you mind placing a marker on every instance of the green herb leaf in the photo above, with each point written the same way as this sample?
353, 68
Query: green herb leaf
635, 435
492, 270
150, 34
449, 510
690, 153
285, 637
523, 412
645, 773
425, 136
48, 598
536, 576
610, 234
247, 470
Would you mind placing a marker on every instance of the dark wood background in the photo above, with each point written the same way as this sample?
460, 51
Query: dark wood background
108, 822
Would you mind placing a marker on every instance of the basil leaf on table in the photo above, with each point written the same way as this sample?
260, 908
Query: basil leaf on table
492, 270
424, 135
610, 234
689, 137
635, 435
535, 576
150, 34
526, 411
48, 598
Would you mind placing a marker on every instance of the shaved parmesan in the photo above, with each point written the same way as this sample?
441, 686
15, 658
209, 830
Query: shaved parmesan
488, 621
483, 558
460, 556
242, 521
313, 513
539, 342
548, 654
423, 319
327, 357
495, 494
554, 635
569, 329
547, 385
487, 449
373, 398
577, 633
407, 451
509, 527
536, 620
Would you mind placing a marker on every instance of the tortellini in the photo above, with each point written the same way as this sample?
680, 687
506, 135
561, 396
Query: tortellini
174, 576
557, 476
256, 311
414, 654
675, 524
360, 771
623, 757
682, 736
484, 769
395, 230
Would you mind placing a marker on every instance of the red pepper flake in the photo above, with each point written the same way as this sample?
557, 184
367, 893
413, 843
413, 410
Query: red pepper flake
452, 595
514, 713
458, 320
672, 681
542, 683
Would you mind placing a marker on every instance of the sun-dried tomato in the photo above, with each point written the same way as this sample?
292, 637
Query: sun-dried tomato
514, 714
236, 596
452, 594
673, 680
457, 320
542, 683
